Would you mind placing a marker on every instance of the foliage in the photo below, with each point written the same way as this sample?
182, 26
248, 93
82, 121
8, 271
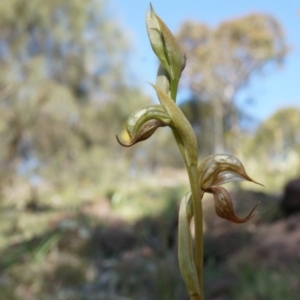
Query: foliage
282, 131
59, 90
276, 142
221, 63
70, 260
276, 283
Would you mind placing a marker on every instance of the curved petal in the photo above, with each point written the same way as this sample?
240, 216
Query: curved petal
219, 169
224, 206
143, 123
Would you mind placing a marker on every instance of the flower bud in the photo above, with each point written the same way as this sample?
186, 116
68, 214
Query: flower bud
164, 45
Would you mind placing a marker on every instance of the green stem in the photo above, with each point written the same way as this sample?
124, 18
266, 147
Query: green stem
174, 87
197, 195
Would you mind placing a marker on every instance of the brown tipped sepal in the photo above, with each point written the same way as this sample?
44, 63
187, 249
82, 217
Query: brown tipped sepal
220, 169
225, 208
217, 170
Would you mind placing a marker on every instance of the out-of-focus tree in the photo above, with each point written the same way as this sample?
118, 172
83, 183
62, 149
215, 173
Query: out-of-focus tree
62, 82
74, 43
221, 62
279, 135
275, 145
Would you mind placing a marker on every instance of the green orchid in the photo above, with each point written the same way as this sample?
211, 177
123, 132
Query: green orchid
217, 170
208, 176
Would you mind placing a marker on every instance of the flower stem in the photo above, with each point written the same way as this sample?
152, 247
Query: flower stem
197, 195
174, 87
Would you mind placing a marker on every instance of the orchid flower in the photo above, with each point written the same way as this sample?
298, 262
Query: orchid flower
217, 170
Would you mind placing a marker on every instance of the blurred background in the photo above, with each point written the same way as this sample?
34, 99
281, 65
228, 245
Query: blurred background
81, 217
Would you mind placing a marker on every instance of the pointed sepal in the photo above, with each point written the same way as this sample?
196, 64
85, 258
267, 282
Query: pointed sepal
219, 169
225, 207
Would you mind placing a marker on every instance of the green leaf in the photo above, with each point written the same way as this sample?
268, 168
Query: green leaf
185, 247
181, 125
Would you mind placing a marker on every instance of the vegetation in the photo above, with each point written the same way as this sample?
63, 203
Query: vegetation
222, 62
58, 90
68, 192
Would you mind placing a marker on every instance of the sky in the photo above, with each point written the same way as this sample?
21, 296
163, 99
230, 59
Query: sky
276, 89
